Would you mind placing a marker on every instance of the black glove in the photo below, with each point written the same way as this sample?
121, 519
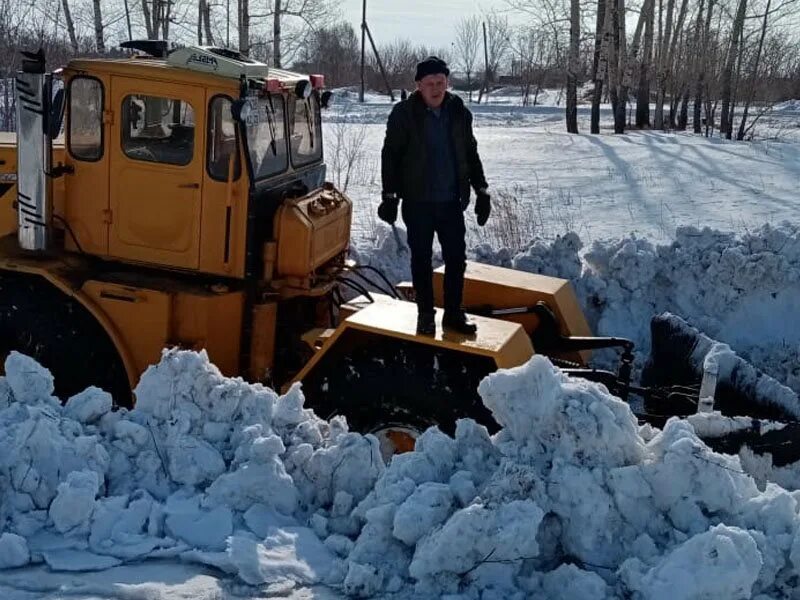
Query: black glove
387, 210
482, 207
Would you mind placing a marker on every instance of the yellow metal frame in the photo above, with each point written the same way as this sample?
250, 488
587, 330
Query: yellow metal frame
507, 344
498, 287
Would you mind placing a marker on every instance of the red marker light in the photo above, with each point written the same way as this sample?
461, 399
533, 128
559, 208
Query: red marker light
317, 81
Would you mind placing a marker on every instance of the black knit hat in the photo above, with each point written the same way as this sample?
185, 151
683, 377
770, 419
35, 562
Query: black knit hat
431, 66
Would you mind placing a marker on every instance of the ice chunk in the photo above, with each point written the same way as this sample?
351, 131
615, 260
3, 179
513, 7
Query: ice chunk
198, 527
429, 505
78, 560
476, 533
292, 553
13, 551
362, 581
88, 406
568, 582
723, 562
29, 381
74, 503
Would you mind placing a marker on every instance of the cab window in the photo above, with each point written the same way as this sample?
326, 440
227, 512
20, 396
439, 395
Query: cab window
156, 129
223, 138
304, 130
85, 133
266, 136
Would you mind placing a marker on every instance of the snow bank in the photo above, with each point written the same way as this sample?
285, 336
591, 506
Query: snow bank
570, 499
569, 491
205, 468
741, 290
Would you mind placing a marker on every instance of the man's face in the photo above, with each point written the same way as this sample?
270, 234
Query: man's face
432, 89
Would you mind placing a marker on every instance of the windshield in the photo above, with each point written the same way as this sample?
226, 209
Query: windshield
266, 136
304, 130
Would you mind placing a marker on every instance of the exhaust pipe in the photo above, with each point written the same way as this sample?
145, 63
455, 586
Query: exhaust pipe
34, 89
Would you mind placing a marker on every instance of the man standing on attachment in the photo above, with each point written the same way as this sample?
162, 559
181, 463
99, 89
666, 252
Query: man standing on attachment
430, 160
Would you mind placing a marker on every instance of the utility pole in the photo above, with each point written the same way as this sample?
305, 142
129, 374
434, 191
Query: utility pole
485, 65
228, 23
363, 47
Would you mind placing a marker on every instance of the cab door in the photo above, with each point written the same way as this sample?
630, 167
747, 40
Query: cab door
156, 172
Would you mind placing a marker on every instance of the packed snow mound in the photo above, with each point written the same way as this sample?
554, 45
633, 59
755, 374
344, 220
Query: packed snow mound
743, 290
567, 487
570, 499
202, 468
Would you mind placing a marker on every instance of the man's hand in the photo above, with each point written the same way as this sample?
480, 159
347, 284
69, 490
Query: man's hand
482, 207
387, 210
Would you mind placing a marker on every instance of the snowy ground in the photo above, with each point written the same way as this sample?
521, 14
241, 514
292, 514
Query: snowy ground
213, 489
599, 186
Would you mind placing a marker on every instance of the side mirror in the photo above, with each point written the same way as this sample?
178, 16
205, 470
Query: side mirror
56, 118
326, 98
303, 89
239, 110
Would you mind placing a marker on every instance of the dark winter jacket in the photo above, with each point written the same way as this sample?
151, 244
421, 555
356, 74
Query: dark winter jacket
404, 165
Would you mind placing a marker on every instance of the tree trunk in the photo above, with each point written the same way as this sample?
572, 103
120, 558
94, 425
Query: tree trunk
73, 41
643, 96
207, 22
683, 116
99, 37
167, 17
726, 118
128, 19
753, 75
622, 59
244, 27
598, 73
200, 6
572, 68
663, 65
700, 43
148, 20
276, 35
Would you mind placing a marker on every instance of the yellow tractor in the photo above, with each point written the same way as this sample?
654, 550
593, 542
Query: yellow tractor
186, 206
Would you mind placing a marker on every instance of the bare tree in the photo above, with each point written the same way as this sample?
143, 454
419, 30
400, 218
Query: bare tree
467, 45
73, 39
244, 26
572, 66
599, 65
726, 115
645, 66
293, 21
99, 37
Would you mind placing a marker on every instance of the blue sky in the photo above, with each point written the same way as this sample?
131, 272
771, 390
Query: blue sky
429, 22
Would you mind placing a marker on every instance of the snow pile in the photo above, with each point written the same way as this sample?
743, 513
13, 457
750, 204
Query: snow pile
204, 468
741, 290
570, 499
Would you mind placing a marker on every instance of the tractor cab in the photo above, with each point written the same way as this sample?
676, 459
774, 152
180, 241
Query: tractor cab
186, 160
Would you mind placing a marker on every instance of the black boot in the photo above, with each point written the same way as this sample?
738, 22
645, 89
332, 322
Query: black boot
458, 321
426, 325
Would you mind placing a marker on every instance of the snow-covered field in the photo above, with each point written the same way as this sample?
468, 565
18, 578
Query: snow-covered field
213, 489
599, 186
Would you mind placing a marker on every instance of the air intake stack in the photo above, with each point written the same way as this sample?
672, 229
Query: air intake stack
34, 88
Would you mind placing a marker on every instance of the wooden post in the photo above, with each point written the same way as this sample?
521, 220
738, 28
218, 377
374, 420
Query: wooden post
485, 66
380, 64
